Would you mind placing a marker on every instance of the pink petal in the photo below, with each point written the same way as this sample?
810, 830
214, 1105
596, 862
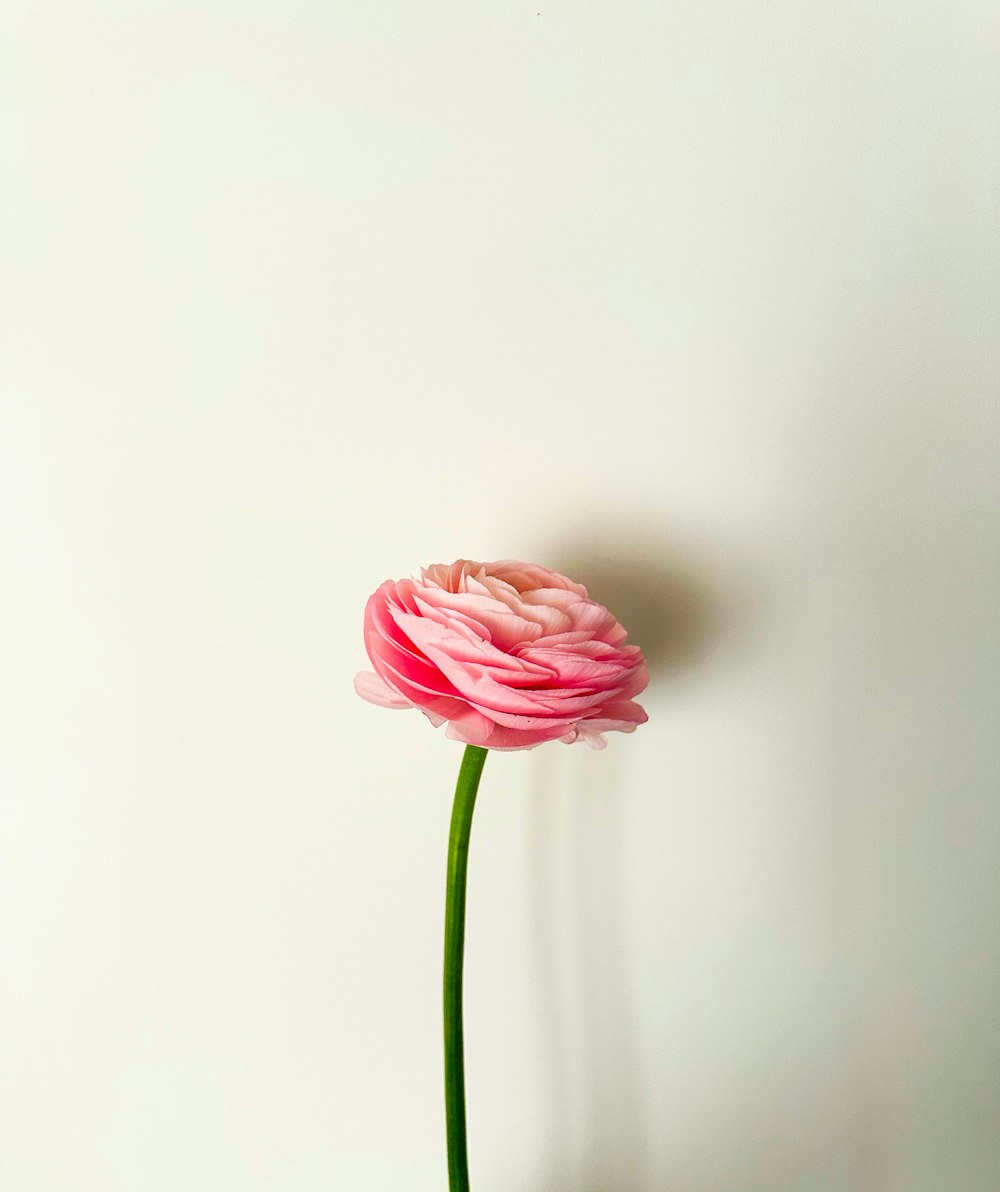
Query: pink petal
376, 691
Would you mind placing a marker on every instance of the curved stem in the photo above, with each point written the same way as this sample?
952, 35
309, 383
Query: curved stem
454, 945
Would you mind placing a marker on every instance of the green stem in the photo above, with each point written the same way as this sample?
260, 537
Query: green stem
454, 943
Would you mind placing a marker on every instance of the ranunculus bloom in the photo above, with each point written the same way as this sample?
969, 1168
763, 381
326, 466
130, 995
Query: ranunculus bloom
510, 654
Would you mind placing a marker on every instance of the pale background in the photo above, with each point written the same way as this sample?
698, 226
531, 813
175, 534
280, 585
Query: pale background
697, 300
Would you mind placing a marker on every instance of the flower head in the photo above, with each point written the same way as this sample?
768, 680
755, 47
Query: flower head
510, 654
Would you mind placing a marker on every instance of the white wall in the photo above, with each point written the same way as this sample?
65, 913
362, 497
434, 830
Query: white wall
697, 300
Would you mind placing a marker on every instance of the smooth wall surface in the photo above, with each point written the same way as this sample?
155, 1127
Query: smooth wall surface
697, 301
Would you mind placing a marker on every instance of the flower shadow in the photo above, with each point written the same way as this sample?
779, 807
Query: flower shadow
593, 1133
662, 596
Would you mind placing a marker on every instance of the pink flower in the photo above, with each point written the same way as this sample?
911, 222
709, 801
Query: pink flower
510, 654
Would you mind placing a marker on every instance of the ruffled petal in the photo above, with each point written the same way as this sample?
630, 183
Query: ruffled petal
377, 691
509, 654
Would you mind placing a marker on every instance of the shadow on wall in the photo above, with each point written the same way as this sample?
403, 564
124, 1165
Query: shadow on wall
594, 1138
593, 1129
661, 596
691, 611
